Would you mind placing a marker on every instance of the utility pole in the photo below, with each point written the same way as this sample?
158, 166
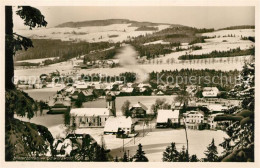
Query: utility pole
143, 128
123, 145
186, 140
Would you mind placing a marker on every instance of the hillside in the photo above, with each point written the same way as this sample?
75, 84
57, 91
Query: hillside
108, 22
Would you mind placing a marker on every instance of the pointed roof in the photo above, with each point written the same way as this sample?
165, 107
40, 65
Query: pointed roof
138, 105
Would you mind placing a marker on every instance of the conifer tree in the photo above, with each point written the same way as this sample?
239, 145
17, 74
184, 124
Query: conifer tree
183, 155
140, 155
125, 157
116, 159
194, 158
21, 138
170, 154
211, 152
101, 153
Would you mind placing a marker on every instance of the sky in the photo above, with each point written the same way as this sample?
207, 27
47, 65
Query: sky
200, 17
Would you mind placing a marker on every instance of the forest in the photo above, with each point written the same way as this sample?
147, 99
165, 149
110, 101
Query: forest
64, 50
218, 54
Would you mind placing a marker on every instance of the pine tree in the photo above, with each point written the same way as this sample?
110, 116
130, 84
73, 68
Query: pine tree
125, 157
211, 153
116, 159
101, 153
21, 138
170, 154
183, 155
140, 155
194, 158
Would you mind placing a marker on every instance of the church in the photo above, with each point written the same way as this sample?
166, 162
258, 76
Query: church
94, 117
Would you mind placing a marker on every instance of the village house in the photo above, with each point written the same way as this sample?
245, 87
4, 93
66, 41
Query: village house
115, 124
82, 86
138, 110
192, 89
74, 94
86, 95
89, 117
214, 124
217, 108
210, 92
93, 117
168, 118
160, 93
170, 89
59, 104
127, 91
194, 119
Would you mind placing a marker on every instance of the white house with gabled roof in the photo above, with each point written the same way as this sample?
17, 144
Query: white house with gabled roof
193, 119
167, 117
210, 92
115, 124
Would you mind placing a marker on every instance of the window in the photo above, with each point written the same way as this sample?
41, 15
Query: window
105, 119
99, 119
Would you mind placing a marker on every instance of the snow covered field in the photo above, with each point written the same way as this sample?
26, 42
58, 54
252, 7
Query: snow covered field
237, 32
112, 33
155, 142
211, 44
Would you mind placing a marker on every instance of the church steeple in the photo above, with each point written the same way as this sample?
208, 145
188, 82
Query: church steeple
111, 103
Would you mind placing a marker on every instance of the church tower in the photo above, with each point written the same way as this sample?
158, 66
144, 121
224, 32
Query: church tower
111, 103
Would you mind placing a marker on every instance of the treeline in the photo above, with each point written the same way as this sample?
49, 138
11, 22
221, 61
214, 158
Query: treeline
204, 30
96, 77
102, 55
219, 54
153, 50
182, 34
200, 39
146, 28
239, 27
174, 35
224, 80
46, 48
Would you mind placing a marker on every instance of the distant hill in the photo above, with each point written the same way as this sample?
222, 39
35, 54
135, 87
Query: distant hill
110, 22
238, 27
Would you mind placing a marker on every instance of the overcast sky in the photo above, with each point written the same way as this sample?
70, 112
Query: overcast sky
200, 17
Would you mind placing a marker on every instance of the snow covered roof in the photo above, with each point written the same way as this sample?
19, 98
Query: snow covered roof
217, 107
141, 85
88, 92
210, 89
113, 123
69, 89
82, 85
194, 113
160, 93
164, 115
139, 104
128, 90
89, 112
